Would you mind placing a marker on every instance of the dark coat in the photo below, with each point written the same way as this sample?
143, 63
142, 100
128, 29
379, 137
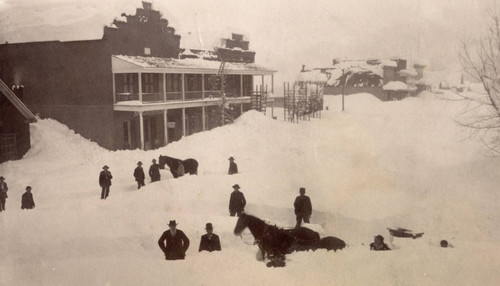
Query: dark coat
27, 201
3, 190
233, 168
382, 246
154, 172
209, 243
303, 205
105, 178
237, 201
174, 247
139, 174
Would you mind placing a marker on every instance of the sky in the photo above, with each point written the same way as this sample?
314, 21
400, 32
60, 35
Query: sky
286, 34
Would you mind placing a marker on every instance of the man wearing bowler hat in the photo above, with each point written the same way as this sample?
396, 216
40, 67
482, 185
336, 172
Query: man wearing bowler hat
105, 182
27, 201
173, 242
3, 193
303, 207
237, 201
210, 241
139, 175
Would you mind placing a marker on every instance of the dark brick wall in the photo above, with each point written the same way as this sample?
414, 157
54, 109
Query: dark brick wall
13, 122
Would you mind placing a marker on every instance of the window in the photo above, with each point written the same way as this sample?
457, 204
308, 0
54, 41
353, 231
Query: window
147, 51
128, 83
193, 82
173, 82
149, 80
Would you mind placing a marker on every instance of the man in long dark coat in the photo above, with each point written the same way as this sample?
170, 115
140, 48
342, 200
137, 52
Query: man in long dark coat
210, 241
27, 201
3, 193
154, 171
174, 242
105, 182
233, 168
237, 201
303, 207
139, 175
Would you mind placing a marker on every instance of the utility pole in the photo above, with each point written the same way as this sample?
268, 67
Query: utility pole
343, 84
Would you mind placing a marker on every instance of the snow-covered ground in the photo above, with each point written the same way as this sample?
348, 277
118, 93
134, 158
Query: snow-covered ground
376, 165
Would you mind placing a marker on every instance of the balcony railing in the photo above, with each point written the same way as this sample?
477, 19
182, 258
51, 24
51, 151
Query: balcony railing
191, 95
172, 96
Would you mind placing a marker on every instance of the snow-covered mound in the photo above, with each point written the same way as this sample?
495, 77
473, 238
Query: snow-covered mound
377, 165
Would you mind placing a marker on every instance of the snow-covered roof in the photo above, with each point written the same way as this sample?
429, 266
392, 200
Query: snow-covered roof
312, 76
375, 67
389, 63
395, 85
129, 64
408, 73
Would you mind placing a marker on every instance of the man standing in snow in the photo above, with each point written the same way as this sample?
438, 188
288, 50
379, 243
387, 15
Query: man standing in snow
3, 193
237, 201
303, 207
154, 171
139, 175
27, 201
210, 241
233, 168
173, 242
105, 182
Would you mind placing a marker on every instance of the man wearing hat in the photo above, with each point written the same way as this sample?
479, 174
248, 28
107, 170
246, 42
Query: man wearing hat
173, 242
139, 175
233, 168
237, 201
378, 244
303, 207
210, 241
154, 171
105, 182
27, 199
3, 193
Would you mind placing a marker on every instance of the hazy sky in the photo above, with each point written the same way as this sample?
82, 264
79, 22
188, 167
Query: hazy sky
284, 33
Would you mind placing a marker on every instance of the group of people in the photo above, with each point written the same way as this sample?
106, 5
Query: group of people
27, 201
154, 173
174, 243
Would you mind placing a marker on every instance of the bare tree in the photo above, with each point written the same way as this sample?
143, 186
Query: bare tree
481, 60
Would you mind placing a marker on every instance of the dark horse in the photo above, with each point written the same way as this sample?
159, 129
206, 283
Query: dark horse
190, 165
276, 242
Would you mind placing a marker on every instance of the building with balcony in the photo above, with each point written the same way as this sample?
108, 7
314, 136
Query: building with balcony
133, 88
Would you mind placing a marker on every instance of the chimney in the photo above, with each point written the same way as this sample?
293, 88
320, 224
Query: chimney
147, 6
303, 68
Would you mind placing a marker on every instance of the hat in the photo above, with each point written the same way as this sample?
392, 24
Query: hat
302, 190
154, 160
172, 223
28, 188
236, 186
105, 167
2, 178
139, 163
379, 237
209, 226
231, 159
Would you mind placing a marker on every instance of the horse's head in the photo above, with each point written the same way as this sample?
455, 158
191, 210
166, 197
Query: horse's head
165, 160
241, 224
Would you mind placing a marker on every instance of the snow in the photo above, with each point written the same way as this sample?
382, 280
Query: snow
376, 165
312, 76
395, 85
355, 66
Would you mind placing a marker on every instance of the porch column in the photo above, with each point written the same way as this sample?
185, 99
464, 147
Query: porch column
140, 88
183, 122
262, 86
203, 120
183, 89
165, 127
241, 85
141, 128
164, 89
241, 108
272, 83
114, 89
202, 85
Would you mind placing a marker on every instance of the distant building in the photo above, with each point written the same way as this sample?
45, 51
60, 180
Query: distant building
387, 79
15, 118
135, 87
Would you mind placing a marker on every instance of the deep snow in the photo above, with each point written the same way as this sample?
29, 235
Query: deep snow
376, 165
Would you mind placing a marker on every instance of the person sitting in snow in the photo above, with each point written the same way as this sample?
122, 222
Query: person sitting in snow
154, 171
210, 241
237, 201
3, 193
233, 168
303, 207
105, 182
139, 175
27, 201
173, 242
379, 244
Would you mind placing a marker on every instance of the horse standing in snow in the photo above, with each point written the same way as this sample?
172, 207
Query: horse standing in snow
275, 242
179, 167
